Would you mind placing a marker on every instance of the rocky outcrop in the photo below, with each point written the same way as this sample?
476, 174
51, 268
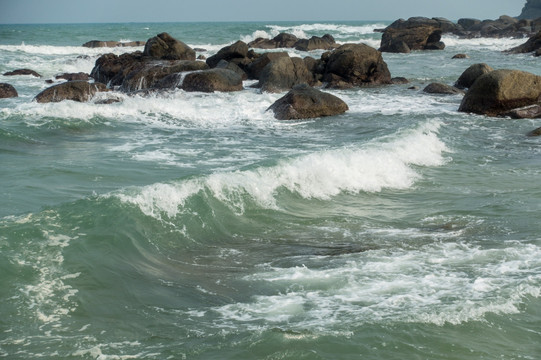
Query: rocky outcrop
22, 72
471, 74
504, 26
442, 89
417, 33
165, 47
80, 91
532, 10
255, 68
326, 42
354, 65
283, 73
100, 43
223, 80
111, 69
238, 50
304, 102
7, 91
73, 76
500, 91
532, 45
283, 40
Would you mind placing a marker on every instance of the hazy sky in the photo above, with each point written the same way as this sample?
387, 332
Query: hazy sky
76, 11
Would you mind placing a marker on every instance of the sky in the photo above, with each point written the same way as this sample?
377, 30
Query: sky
105, 11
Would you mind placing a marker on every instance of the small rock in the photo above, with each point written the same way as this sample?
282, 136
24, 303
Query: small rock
22, 72
439, 88
7, 91
461, 56
80, 91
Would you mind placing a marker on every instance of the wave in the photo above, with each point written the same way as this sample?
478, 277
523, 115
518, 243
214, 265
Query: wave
386, 163
64, 50
494, 44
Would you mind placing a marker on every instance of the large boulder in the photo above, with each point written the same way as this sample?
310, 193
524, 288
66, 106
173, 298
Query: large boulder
326, 42
532, 10
471, 74
151, 74
256, 67
416, 33
111, 69
238, 50
7, 91
22, 72
533, 44
355, 65
80, 91
223, 80
304, 102
283, 73
165, 47
499, 91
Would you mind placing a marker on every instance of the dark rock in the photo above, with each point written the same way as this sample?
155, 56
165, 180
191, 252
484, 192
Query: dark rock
281, 40
326, 42
399, 80
228, 53
80, 91
304, 102
527, 112
152, 73
22, 72
111, 69
7, 91
165, 47
355, 65
283, 73
213, 80
233, 67
412, 34
99, 44
499, 91
468, 23
471, 74
199, 50
108, 101
460, 56
256, 67
533, 44
413, 88
536, 132
201, 57
73, 76
532, 10
439, 88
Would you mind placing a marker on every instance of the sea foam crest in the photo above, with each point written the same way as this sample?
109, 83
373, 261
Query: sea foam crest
385, 163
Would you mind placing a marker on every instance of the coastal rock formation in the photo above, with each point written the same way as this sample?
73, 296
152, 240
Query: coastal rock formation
165, 47
532, 45
443, 89
532, 10
283, 73
111, 69
7, 91
471, 74
213, 80
238, 50
355, 65
417, 33
326, 42
73, 76
500, 91
304, 102
504, 26
80, 91
22, 72
99, 44
283, 40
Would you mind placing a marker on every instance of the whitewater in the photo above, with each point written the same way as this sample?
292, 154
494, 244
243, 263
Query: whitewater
196, 226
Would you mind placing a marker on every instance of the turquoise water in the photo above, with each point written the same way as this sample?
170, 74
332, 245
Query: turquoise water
197, 226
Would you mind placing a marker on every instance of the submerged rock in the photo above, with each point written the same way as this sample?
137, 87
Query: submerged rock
223, 80
443, 89
22, 72
80, 91
499, 91
7, 91
304, 102
471, 74
536, 132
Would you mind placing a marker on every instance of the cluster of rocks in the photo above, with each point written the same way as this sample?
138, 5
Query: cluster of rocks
421, 33
283, 40
100, 44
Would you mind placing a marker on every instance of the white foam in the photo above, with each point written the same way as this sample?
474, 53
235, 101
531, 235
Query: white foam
385, 163
493, 44
65, 50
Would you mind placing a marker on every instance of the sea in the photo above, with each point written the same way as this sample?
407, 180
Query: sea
197, 226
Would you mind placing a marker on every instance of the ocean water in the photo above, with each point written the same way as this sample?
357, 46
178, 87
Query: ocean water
196, 226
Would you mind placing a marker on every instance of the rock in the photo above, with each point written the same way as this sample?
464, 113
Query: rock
73, 76
499, 91
527, 112
201, 57
471, 74
111, 69
281, 40
233, 67
326, 42
532, 10
468, 23
283, 73
99, 44
256, 67
224, 80
536, 132
304, 102
238, 50
460, 56
355, 65
80, 91
533, 44
416, 33
399, 80
7, 91
439, 88
22, 72
151, 74
165, 47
